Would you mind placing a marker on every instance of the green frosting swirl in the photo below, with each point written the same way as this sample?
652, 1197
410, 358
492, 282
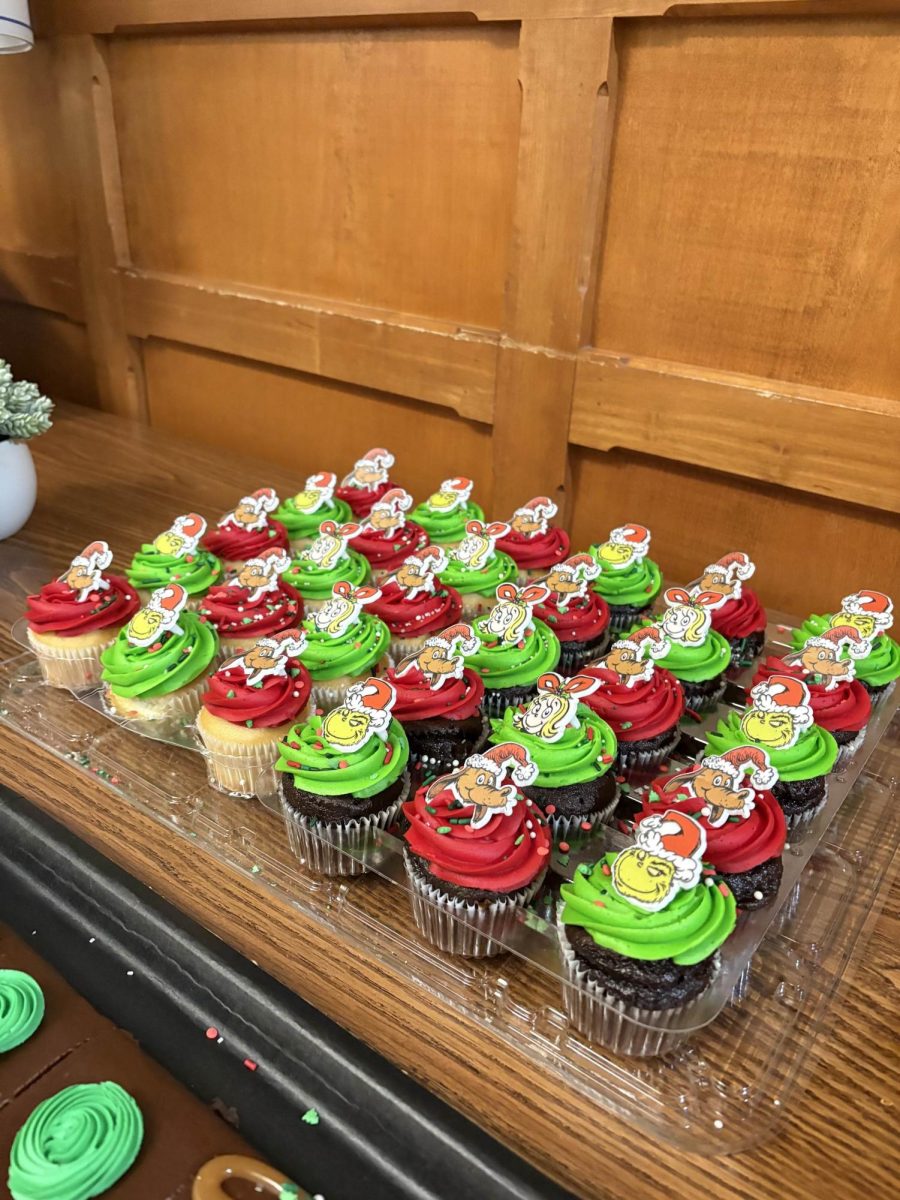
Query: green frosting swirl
355, 652
21, 1008
639, 583
76, 1144
150, 569
814, 753
499, 569
181, 658
881, 665
689, 929
315, 583
577, 757
317, 767
306, 524
693, 664
445, 527
511, 664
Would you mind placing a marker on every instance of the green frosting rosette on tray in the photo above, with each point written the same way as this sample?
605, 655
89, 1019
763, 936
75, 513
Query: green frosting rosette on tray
303, 513
21, 1008
176, 556
445, 514
629, 581
813, 754
317, 766
871, 614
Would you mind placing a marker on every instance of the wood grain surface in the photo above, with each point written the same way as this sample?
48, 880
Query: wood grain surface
100, 476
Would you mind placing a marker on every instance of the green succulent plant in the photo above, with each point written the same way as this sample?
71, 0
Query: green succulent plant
24, 410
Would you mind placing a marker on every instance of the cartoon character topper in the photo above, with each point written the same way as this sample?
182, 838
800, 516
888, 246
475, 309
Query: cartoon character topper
371, 470
417, 571
555, 707
726, 576
262, 573
366, 712
477, 781
318, 491
330, 547
85, 572
337, 615
870, 612
477, 548
531, 519
718, 779
633, 658
513, 614
822, 655
269, 656
452, 494
779, 714
389, 514
569, 580
667, 856
688, 617
158, 616
253, 511
627, 544
442, 657
182, 536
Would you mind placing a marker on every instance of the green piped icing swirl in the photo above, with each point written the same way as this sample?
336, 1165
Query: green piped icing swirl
513, 664
306, 524
150, 569
181, 658
315, 583
500, 568
581, 754
444, 528
813, 754
639, 583
689, 929
76, 1144
316, 766
21, 1008
881, 665
355, 652
693, 664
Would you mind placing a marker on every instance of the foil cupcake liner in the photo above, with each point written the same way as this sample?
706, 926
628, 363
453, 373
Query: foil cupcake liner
571, 829
645, 760
496, 703
848, 749
575, 655
70, 667
798, 823
699, 700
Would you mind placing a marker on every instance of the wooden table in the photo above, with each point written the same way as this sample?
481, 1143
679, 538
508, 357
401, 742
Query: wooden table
103, 477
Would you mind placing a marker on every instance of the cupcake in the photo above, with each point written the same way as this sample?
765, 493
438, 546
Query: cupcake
515, 649
74, 618
439, 700
254, 603
476, 852
367, 482
446, 513
698, 657
301, 515
247, 531
640, 701
780, 721
871, 614
158, 664
533, 543
316, 570
579, 617
344, 645
387, 538
176, 556
639, 934
573, 749
629, 581
343, 778
743, 822
250, 705
476, 567
738, 616
414, 606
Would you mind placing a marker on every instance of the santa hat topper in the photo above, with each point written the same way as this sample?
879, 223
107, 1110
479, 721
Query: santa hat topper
342, 611
182, 536
822, 654
779, 694
262, 573
726, 576
626, 545
317, 492
270, 655
252, 512
872, 604
389, 513
569, 579
452, 494
633, 658
371, 470
416, 575
159, 615
666, 858
479, 783
555, 707
718, 780
453, 643
85, 572
531, 519
365, 713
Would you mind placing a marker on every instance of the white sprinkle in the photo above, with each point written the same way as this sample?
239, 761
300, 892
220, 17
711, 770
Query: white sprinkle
91, 941
129, 972
219, 1041
757, 895
719, 1124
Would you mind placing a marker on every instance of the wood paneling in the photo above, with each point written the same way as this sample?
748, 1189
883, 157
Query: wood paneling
50, 350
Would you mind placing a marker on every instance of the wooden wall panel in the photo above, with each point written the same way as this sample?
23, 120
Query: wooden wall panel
48, 349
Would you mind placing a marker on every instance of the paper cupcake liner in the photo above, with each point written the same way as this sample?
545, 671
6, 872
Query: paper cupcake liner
460, 927
70, 667
496, 703
241, 769
571, 829
848, 749
699, 700
329, 847
798, 824
644, 760
435, 765
185, 702
574, 655
401, 647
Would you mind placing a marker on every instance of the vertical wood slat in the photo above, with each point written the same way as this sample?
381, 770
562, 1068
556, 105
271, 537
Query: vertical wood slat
567, 76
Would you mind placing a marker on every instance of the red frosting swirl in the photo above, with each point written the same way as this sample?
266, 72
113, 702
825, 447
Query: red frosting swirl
361, 500
386, 551
429, 612
646, 710
535, 553
846, 707
742, 842
56, 609
237, 544
582, 620
456, 700
229, 609
276, 700
739, 618
502, 856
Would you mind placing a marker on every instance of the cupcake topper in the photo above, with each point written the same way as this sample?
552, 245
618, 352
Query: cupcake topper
159, 615
337, 615
718, 781
725, 577
779, 714
513, 614
555, 707
478, 781
453, 494
317, 492
667, 856
688, 617
262, 573
822, 655
627, 544
366, 711
416, 573
85, 572
531, 519
477, 548
182, 536
442, 657
871, 612
569, 580
389, 514
269, 656
330, 547
371, 470
253, 511
633, 658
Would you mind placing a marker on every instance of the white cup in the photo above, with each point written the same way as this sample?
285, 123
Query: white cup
16, 33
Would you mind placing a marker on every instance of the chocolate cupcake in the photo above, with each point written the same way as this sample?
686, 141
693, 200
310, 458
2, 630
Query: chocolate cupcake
697, 656
516, 649
579, 617
629, 581
738, 616
871, 613
533, 543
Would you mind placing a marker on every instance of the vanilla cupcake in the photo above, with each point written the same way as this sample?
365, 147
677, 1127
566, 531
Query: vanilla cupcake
247, 530
316, 570
344, 645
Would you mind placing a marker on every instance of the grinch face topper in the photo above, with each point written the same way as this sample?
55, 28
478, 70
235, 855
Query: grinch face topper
253, 511
779, 714
417, 572
330, 547
633, 658
365, 713
443, 657
687, 618
555, 707
666, 858
824, 656
341, 612
182, 537
718, 781
370, 471
725, 577
513, 614
262, 573
569, 580
317, 492
479, 781
476, 549
269, 656
389, 514
158, 616
453, 494
628, 544
870, 612
85, 572
532, 518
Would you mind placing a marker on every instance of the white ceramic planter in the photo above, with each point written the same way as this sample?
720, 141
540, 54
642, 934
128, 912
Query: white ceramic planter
18, 487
